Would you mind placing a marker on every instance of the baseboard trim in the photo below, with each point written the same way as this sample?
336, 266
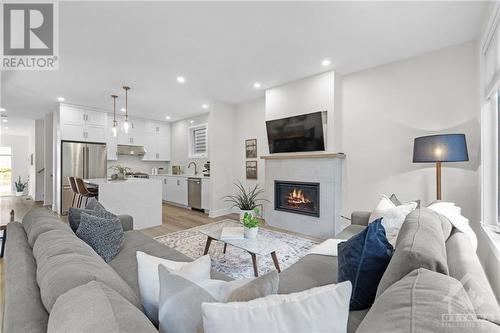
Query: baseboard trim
219, 212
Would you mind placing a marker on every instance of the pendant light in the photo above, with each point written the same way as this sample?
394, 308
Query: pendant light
113, 129
126, 124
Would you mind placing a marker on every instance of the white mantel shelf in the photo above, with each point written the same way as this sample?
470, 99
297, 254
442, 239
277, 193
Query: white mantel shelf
286, 156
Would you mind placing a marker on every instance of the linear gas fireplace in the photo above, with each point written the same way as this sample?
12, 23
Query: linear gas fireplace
297, 197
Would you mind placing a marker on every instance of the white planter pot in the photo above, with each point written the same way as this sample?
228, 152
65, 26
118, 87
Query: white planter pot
251, 233
18, 194
242, 214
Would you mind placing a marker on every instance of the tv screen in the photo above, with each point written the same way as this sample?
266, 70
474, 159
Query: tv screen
296, 134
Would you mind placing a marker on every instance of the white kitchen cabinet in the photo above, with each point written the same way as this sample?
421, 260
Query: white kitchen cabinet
176, 190
135, 135
157, 141
81, 124
205, 194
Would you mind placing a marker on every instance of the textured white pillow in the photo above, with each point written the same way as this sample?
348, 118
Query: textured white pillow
149, 283
321, 309
392, 216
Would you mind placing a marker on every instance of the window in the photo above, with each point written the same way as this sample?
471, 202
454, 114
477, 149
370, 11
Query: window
198, 141
5, 171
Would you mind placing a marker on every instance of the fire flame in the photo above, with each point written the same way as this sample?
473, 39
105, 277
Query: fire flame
297, 197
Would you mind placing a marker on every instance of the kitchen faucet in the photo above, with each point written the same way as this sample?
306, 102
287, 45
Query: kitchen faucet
195, 167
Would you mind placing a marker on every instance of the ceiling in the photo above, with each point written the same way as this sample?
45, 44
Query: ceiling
222, 48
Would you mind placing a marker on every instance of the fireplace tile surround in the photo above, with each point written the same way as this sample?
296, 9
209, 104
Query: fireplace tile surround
324, 169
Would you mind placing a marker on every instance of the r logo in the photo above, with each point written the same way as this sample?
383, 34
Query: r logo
28, 29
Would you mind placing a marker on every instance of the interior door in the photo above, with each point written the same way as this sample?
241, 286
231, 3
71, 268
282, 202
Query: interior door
96, 161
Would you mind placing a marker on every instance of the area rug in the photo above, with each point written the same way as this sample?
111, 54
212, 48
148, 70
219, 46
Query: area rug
237, 263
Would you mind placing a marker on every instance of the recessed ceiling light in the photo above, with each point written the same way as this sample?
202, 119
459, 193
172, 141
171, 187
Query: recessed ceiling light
181, 79
167, 117
191, 121
205, 106
2, 110
325, 62
256, 85
123, 110
60, 99
4, 120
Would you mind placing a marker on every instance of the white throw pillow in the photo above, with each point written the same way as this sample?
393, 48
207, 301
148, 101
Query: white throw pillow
392, 216
321, 309
149, 284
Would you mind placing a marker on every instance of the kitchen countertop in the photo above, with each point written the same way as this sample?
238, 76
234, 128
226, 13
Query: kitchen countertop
181, 176
98, 181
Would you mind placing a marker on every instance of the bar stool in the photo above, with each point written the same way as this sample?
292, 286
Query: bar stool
74, 189
84, 191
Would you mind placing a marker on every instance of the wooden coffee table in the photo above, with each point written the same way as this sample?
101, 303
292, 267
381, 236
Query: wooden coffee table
259, 246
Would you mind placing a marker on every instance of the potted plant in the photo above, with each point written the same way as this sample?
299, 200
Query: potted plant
121, 172
20, 186
251, 224
245, 201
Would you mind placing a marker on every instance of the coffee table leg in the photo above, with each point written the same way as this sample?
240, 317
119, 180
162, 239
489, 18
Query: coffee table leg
207, 246
275, 260
254, 260
225, 246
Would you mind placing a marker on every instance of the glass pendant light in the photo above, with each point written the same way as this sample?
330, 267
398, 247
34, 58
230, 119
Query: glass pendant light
126, 124
113, 129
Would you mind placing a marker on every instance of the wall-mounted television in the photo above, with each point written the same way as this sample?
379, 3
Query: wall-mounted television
296, 134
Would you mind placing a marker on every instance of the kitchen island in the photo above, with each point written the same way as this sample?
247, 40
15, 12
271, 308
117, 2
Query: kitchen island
140, 198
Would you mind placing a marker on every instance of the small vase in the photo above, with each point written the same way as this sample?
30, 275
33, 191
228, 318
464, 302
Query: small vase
242, 214
251, 233
19, 194
121, 176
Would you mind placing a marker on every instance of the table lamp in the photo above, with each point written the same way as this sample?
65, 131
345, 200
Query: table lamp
438, 149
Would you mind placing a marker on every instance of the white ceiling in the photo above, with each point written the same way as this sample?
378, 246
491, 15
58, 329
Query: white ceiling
222, 48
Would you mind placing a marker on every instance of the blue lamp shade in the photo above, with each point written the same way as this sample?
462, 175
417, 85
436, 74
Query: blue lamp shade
440, 148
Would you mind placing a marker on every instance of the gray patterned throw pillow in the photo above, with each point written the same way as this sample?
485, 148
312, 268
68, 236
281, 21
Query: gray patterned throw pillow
104, 235
74, 214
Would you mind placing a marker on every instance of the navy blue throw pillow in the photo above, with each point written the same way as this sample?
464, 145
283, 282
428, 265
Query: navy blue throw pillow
362, 260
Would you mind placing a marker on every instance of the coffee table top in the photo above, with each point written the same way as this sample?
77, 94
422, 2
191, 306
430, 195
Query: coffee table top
261, 245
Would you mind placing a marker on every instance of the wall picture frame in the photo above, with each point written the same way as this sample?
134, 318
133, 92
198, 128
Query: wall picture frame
251, 148
251, 169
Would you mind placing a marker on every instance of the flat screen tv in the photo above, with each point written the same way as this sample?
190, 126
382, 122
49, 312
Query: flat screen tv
296, 134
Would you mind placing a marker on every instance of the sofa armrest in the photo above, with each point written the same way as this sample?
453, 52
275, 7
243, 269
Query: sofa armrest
127, 222
360, 217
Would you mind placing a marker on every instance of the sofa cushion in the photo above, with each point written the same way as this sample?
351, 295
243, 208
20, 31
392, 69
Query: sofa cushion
23, 308
362, 260
40, 220
61, 273
423, 301
420, 244
125, 263
94, 307
57, 242
464, 266
103, 234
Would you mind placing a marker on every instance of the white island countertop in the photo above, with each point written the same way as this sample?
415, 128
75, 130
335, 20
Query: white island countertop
200, 176
139, 197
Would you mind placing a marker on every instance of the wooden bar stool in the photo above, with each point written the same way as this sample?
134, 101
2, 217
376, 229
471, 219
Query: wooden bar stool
74, 189
84, 191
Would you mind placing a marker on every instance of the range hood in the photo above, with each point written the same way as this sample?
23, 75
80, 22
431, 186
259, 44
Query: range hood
131, 150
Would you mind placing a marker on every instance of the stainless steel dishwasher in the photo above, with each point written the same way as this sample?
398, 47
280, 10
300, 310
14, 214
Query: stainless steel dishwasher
194, 193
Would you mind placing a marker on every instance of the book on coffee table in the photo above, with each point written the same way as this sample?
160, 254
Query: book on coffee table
231, 233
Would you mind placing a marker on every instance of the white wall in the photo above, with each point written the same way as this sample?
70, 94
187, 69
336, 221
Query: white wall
312, 94
20, 156
180, 146
383, 109
249, 123
221, 143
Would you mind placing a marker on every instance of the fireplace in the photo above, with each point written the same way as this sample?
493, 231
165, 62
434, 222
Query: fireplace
297, 197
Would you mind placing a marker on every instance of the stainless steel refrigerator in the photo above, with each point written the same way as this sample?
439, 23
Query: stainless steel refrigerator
81, 160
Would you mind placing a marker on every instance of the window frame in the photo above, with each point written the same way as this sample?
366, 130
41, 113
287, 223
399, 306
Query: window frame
191, 150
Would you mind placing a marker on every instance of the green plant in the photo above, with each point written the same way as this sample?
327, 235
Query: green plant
120, 169
20, 186
245, 200
251, 221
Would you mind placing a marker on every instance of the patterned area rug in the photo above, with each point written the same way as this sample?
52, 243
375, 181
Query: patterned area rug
237, 263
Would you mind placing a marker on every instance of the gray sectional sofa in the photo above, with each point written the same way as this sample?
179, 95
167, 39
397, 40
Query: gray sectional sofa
45, 260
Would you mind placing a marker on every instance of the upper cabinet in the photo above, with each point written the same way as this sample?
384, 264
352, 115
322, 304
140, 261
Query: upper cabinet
157, 141
81, 124
135, 135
